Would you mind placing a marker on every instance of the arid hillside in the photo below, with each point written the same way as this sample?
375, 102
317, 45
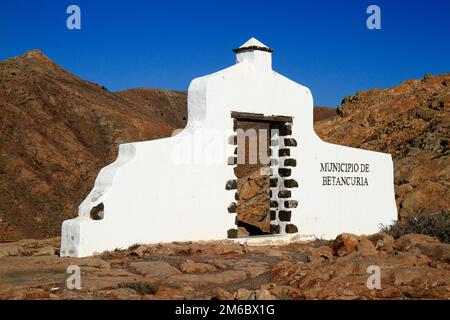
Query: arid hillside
57, 132
410, 121
169, 107
322, 113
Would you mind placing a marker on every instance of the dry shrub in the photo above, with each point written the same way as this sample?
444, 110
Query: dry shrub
437, 225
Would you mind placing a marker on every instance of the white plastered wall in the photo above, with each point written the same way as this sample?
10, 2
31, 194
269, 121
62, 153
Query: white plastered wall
152, 195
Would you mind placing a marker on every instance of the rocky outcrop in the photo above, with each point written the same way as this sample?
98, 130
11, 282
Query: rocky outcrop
410, 121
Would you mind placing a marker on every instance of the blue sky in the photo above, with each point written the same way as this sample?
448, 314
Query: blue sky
324, 45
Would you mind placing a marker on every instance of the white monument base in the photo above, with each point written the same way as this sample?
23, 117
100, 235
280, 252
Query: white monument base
175, 189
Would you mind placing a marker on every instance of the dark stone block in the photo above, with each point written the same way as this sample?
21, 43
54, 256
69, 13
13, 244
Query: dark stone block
231, 185
284, 215
98, 212
283, 172
274, 204
274, 229
285, 130
284, 194
291, 228
273, 215
290, 183
291, 204
236, 196
284, 153
232, 233
290, 142
290, 163
273, 182
232, 207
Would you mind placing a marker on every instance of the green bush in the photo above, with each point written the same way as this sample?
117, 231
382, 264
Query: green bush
437, 225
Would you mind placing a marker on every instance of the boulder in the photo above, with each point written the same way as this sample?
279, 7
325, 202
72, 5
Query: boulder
322, 252
4, 252
140, 251
119, 294
10, 250
244, 294
286, 293
344, 244
382, 241
408, 241
206, 279
264, 294
45, 251
228, 249
365, 247
419, 198
190, 266
436, 251
154, 269
222, 294
253, 268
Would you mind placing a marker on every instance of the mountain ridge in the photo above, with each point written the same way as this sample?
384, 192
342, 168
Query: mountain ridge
58, 132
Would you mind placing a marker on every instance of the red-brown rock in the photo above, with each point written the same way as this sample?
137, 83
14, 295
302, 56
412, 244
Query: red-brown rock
344, 244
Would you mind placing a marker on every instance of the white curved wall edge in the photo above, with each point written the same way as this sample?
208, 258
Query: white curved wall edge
150, 196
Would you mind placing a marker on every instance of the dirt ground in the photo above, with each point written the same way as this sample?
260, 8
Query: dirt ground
411, 267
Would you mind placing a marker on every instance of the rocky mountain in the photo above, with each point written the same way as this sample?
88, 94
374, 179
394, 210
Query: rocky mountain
166, 106
322, 113
411, 121
57, 132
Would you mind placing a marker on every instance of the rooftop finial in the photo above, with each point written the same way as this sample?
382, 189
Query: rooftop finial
253, 44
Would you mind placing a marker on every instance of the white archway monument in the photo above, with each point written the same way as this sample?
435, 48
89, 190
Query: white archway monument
182, 188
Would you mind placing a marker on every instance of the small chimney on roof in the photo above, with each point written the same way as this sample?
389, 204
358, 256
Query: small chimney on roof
255, 53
